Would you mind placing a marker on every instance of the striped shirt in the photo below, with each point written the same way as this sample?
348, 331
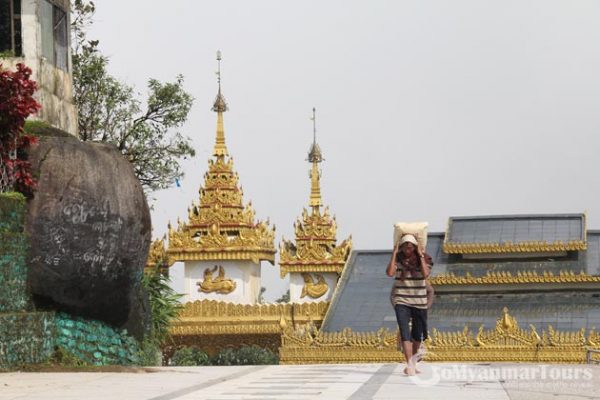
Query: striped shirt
410, 291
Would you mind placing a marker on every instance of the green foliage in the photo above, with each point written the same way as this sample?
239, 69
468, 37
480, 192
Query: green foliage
13, 196
150, 353
246, 355
7, 54
64, 358
164, 304
32, 127
109, 110
285, 298
189, 357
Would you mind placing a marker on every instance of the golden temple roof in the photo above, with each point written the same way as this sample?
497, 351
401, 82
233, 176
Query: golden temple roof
315, 248
157, 255
220, 226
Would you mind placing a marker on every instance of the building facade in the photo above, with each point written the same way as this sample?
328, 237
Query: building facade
37, 34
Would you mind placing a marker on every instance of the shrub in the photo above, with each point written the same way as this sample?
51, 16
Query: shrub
189, 357
246, 355
150, 354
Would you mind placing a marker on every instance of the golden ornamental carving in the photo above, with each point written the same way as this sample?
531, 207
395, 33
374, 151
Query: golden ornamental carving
220, 284
313, 289
315, 244
509, 247
157, 256
211, 317
507, 341
220, 226
521, 277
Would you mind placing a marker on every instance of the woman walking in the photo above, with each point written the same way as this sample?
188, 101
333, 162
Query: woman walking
410, 266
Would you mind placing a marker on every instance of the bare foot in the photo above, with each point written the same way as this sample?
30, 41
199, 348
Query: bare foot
410, 371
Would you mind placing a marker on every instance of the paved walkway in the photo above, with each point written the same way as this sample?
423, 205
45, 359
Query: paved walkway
438, 381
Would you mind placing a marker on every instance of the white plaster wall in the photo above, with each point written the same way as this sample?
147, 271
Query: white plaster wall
55, 85
297, 283
245, 274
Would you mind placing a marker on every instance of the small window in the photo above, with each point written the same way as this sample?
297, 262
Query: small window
55, 34
10, 28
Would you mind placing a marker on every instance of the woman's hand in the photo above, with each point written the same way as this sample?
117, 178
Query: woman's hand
391, 268
420, 251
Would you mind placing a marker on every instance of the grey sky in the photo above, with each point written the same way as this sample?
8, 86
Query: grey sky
425, 109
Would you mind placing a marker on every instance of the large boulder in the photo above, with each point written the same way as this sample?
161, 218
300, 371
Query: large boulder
89, 227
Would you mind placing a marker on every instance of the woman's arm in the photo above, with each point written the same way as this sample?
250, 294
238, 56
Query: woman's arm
391, 268
430, 294
424, 266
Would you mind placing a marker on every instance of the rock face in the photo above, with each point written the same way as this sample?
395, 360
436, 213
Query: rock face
89, 227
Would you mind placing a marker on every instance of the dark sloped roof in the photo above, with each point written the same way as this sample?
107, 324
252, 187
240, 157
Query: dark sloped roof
516, 228
362, 298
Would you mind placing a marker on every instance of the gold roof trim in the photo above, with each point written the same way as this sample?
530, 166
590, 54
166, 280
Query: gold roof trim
337, 268
210, 317
220, 226
507, 341
505, 277
508, 247
315, 248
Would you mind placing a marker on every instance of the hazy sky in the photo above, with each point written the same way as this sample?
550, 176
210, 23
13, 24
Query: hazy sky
425, 109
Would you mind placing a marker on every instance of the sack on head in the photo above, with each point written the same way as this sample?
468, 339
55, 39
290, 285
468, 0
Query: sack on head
417, 229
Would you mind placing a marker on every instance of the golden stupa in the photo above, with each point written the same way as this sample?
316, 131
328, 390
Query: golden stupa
315, 249
220, 226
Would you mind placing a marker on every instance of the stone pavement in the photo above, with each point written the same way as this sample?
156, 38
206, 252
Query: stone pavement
489, 381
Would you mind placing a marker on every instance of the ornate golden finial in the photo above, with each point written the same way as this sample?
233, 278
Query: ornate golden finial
220, 226
314, 154
315, 157
220, 106
316, 249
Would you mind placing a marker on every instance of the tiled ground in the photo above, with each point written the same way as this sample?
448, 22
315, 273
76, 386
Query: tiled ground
344, 382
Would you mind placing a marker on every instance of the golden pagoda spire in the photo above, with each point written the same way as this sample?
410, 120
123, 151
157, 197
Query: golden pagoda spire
316, 248
315, 157
220, 106
221, 226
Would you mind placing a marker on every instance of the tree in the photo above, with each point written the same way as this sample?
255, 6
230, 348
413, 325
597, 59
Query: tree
16, 104
261, 298
285, 298
109, 110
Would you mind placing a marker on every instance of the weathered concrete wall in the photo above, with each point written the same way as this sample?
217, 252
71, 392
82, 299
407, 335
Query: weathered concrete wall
55, 92
13, 251
25, 337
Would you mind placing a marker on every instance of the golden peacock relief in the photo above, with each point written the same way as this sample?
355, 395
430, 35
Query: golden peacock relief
220, 284
312, 289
